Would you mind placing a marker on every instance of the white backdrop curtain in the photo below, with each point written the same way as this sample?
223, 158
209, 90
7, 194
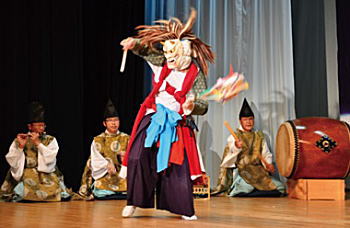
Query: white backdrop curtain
256, 38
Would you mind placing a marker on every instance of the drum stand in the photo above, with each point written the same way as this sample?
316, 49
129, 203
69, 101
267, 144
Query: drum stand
316, 189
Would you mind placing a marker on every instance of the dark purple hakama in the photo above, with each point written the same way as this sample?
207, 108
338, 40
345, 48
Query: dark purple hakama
173, 187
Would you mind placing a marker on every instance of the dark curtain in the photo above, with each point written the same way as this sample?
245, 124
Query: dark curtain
343, 34
66, 54
310, 73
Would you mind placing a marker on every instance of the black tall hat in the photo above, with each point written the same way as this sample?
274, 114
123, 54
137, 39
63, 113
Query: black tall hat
246, 111
36, 112
110, 110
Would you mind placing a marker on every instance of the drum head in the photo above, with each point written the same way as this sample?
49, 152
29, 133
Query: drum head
285, 149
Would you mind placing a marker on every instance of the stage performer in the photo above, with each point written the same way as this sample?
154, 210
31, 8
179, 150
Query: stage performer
162, 156
33, 175
246, 166
100, 178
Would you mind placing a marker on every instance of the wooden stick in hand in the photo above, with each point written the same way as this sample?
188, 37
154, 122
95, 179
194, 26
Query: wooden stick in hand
122, 66
263, 161
227, 125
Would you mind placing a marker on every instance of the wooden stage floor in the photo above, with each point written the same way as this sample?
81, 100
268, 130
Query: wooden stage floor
216, 212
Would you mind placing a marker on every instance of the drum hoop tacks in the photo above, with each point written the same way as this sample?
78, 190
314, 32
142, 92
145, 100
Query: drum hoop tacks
296, 148
348, 129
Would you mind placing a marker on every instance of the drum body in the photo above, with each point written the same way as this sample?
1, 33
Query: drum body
313, 147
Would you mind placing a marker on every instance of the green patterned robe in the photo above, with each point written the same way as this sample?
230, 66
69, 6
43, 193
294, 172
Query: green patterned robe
34, 185
249, 166
112, 148
249, 163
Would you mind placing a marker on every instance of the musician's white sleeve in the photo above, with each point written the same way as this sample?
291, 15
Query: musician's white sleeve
229, 161
47, 156
16, 159
266, 154
98, 163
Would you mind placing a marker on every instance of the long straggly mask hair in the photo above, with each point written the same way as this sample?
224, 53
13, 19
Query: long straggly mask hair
174, 29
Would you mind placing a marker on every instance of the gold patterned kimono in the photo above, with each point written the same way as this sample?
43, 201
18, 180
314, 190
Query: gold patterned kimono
225, 179
248, 162
34, 185
112, 148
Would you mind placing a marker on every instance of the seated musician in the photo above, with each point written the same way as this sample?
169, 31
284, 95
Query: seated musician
100, 178
33, 175
246, 166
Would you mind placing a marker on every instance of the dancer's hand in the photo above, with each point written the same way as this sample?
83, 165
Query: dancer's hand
128, 43
188, 105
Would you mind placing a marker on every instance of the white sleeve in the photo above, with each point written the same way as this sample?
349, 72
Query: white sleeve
16, 159
98, 163
266, 154
229, 161
156, 70
123, 172
47, 156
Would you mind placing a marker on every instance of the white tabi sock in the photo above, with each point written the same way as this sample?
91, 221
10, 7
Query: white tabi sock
128, 211
189, 218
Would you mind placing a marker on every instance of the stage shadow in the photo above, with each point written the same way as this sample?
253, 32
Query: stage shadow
211, 158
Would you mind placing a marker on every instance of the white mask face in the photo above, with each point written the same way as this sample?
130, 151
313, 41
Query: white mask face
177, 53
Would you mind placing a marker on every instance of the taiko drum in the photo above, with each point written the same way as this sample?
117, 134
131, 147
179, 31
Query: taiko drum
313, 147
